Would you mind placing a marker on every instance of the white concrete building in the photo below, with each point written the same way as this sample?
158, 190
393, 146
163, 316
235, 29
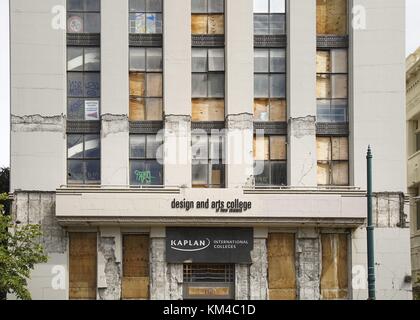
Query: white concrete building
136, 142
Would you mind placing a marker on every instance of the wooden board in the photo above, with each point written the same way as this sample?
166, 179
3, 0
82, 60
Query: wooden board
208, 110
261, 148
216, 24
323, 173
261, 109
340, 148
154, 110
323, 148
135, 284
137, 81
334, 275
154, 85
323, 62
278, 110
82, 266
331, 17
137, 109
340, 173
281, 266
323, 86
278, 148
198, 24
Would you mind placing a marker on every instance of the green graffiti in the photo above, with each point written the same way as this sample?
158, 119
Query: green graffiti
144, 177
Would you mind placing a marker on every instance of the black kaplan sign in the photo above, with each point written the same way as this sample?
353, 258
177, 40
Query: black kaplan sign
209, 245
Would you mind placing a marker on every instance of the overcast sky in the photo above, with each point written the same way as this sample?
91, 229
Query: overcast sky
413, 41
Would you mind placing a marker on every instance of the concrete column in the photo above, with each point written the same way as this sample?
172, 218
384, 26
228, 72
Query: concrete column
177, 91
239, 91
258, 271
114, 92
377, 108
308, 264
158, 267
241, 282
109, 264
301, 88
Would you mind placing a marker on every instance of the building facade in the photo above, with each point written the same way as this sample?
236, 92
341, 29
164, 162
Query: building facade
413, 148
197, 149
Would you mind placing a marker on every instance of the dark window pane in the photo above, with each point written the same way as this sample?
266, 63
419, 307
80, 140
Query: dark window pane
261, 60
216, 6
154, 5
75, 146
137, 146
323, 111
92, 23
74, 59
137, 5
278, 173
92, 146
277, 24
199, 6
261, 86
75, 5
339, 110
93, 171
75, 84
199, 60
200, 147
76, 109
199, 174
261, 24
154, 59
92, 85
277, 60
199, 85
75, 23
262, 179
75, 171
92, 5
278, 86
216, 85
92, 59
144, 172
137, 59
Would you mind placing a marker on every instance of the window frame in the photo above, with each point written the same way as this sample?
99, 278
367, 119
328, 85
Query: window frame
145, 12
83, 13
146, 159
270, 15
208, 13
331, 99
84, 159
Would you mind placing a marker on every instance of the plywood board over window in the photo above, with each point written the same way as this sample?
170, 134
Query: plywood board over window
332, 17
82, 266
281, 266
135, 283
334, 276
208, 110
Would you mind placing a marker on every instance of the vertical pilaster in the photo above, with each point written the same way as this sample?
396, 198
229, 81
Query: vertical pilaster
258, 282
301, 88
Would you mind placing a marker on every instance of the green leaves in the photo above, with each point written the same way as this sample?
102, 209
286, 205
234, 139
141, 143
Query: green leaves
20, 251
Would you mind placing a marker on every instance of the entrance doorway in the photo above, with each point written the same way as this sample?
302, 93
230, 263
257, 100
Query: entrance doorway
209, 281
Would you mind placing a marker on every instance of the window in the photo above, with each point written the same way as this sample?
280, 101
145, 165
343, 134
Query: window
333, 161
332, 88
146, 84
208, 84
83, 83
418, 215
83, 16
145, 16
270, 160
331, 17
83, 159
208, 17
269, 17
208, 168
146, 160
270, 85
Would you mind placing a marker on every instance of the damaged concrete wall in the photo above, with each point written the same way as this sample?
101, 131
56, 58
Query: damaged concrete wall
109, 269
48, 280
258, 284
308, 263
242, 289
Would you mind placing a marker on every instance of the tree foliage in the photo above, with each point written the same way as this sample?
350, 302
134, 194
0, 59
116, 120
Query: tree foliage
20, 251
4, 180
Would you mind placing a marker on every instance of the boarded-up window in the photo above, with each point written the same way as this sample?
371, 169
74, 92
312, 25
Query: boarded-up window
334, 276
207, 17
82, 266
331, 17
281, 266
208, 110
333, 164
135, 283
270, 156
